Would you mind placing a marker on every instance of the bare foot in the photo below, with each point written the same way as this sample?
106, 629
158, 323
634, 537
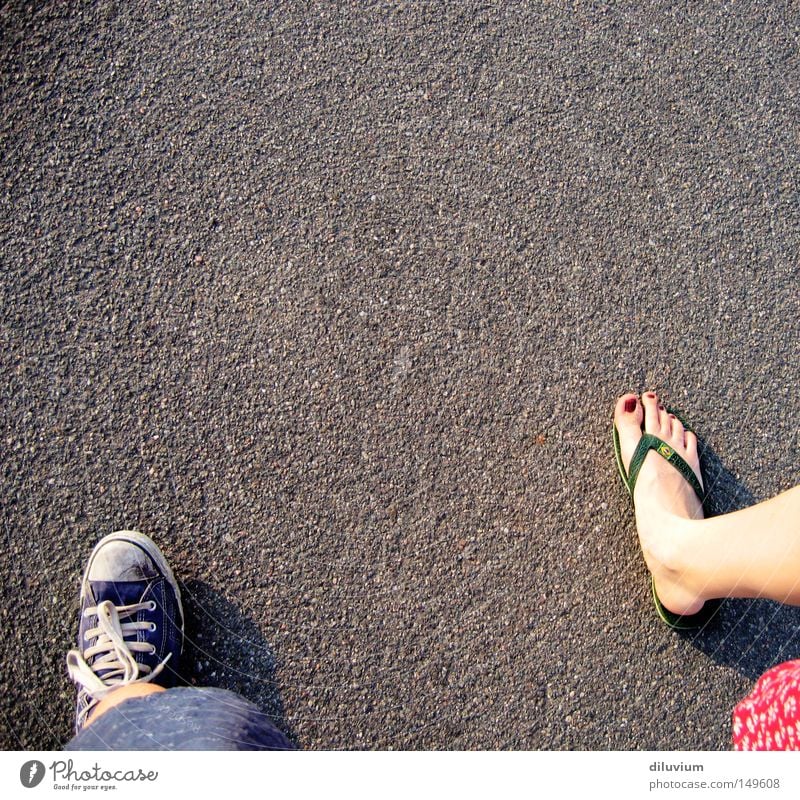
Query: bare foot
662, 496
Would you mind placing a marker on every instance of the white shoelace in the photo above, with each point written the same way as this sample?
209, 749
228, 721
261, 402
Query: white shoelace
119, 663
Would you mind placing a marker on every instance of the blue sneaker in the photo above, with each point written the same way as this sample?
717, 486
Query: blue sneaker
131, 622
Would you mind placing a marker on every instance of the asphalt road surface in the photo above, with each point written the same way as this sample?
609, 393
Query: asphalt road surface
334, 301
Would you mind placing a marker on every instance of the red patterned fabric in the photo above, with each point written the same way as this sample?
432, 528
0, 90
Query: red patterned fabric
769, 717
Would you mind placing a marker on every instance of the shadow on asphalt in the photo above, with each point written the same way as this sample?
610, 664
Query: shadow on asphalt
224, 648
749, 636
725, 492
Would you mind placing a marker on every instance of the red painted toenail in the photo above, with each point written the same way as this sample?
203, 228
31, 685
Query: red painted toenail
630, 405
651, 395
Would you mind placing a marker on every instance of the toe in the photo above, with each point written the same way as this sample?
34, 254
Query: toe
677, 432
693, 456
653, 416
629, 411
628, 419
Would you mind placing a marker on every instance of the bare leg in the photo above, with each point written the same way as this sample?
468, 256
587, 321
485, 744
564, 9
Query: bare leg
750, 553
117, 696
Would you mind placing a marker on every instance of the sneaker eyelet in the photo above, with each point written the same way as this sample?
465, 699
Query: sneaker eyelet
153, 650
152, 605
153, 627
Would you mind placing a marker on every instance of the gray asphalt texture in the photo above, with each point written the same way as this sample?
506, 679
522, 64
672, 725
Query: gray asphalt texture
334, 301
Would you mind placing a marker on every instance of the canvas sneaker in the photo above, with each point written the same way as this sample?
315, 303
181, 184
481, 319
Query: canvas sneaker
131, 621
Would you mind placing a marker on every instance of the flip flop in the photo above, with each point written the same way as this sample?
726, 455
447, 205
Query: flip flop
648, 442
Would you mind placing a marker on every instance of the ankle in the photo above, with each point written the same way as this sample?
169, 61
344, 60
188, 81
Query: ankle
666, 542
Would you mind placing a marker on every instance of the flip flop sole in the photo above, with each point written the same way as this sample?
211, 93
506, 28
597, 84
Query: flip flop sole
685, 622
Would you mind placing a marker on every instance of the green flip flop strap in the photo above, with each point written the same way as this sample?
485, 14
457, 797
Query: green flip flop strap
649, 442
